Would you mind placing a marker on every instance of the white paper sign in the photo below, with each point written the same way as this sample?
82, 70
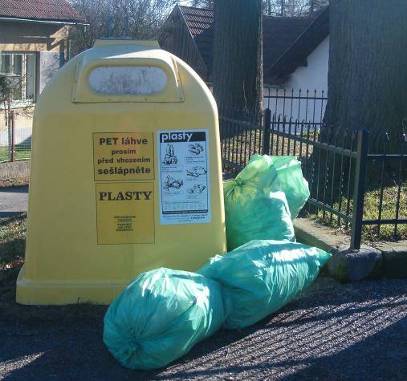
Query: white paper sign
184, 177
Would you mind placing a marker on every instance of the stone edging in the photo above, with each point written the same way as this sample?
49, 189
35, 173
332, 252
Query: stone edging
379, 259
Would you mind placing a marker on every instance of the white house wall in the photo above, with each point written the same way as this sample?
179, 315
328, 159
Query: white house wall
313, 77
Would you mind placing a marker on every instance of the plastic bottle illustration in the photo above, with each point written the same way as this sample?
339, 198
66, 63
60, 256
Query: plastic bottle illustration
170, 157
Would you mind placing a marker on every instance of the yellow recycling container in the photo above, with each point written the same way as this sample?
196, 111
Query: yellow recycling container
125, 176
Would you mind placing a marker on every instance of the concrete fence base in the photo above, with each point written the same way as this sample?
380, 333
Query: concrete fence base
15, 173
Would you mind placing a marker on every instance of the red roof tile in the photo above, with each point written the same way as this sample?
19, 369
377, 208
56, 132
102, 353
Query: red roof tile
49, 10
198, 19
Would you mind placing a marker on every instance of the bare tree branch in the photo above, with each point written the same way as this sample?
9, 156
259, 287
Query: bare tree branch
138, 19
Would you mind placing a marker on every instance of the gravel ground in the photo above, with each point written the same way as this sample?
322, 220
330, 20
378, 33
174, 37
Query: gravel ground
333, 332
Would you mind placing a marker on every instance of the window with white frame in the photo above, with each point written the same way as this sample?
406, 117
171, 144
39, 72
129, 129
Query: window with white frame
20, 70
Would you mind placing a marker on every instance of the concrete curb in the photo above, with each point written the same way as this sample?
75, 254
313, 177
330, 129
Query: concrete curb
394, 258
394, 254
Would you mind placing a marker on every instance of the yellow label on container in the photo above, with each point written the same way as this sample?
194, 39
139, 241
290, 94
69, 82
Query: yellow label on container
123, 156
125, 213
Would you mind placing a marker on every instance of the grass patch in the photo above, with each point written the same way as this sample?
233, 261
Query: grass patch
388, 211
21, 153
371, 212
12, 242
12, 247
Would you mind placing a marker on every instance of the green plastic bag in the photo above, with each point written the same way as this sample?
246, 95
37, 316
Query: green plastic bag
258, 173
277, 173
260, 277
255, 208
254, 214
288, 178
160, 316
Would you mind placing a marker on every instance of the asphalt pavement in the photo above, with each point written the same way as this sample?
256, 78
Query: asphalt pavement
13, 201
332, 332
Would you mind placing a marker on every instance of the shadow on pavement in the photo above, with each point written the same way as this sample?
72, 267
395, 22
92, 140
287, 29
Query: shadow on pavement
332, 333
18, 189
11, 214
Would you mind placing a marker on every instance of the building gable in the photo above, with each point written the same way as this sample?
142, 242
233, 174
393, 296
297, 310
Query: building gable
279, 35
297, 53
176, 38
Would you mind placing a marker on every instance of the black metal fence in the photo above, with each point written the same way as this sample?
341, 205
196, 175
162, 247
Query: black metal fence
352, 189
301, 105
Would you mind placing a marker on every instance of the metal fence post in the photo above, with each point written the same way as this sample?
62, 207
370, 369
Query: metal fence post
266, 131
359, 189
12, 135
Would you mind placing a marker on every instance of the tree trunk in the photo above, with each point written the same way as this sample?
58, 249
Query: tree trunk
282, 5
368, 68
237, 65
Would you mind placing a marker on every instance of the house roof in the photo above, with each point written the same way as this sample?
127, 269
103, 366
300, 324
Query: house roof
200, 23
40, 10
279, 34
297, 52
